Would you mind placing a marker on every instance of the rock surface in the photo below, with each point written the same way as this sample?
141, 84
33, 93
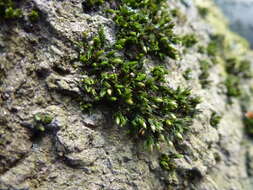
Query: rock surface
87, 151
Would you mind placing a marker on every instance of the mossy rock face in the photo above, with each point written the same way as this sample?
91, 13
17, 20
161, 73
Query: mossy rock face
136, 78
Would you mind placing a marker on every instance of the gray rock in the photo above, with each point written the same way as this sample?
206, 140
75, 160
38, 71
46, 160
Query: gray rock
87, 151
65, 85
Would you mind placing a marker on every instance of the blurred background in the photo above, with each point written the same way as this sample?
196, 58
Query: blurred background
240, 15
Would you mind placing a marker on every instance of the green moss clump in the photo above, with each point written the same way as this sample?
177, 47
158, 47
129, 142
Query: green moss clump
177, 14
187, 74
203, 77
146, 27
248, 123
216, 45
249, 126
40, 121
34, 16
202, 49
236, 70
189, 40
167, 162
232, 84
203, 11
8, 10
118, 75
215, 119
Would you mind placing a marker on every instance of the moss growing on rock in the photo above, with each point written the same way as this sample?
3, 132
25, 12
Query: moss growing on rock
203, 11
189, 40
237, 70
187, 74
203, 77
232, 84
215, 119
167, 161
40, 121
216, 45
248, 122
117, 75
34, 16
8, 10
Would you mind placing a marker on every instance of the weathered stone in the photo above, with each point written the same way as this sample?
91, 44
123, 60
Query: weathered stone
43, 70
65, 85
87, 151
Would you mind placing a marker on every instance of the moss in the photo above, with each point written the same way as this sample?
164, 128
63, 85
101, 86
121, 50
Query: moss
93, 3
8, 10
141, 27
203, 11
232, 84
176, 13
216, 45
34, 16
203, 77
187, 74
167, 162
236, 70
215, 119
248, 123
41, 120
202, 49
117, 75
189, 40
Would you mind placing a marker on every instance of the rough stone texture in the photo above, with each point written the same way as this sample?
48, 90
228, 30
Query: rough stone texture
86, 151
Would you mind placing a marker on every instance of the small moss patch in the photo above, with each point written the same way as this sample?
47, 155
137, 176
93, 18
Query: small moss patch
40, 121
8, 10
203, 11
124, 76
237, 70
189, 40
216, 45
204, 75
34, 16
248, 122
167, 162
215, 119
187, 74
